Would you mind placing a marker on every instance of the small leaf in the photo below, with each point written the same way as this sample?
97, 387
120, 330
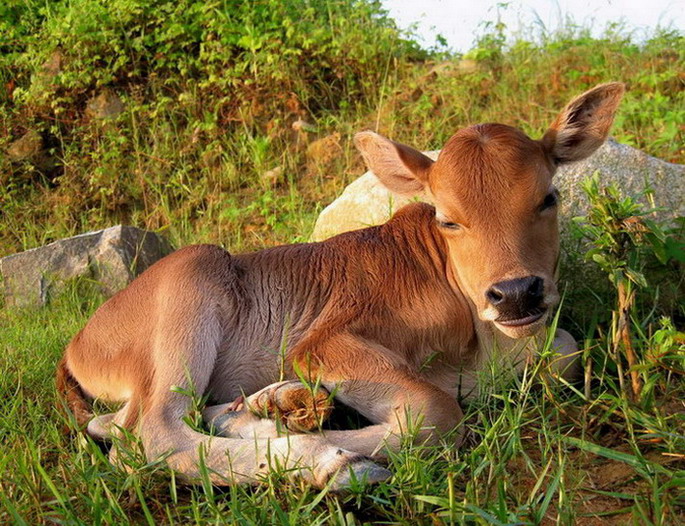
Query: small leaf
636, 277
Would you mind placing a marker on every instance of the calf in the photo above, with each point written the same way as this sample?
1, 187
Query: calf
392, 319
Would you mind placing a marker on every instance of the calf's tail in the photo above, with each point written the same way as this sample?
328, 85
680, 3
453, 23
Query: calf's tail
73, 398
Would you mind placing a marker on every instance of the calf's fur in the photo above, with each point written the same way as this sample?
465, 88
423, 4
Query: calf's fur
396, 319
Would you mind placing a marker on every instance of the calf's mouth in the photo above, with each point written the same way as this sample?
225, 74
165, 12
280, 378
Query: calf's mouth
530, 318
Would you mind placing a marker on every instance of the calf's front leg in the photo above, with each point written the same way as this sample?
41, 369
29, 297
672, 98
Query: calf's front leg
372, 380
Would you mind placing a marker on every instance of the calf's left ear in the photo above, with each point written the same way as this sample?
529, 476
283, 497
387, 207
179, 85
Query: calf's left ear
584, 124
401, 169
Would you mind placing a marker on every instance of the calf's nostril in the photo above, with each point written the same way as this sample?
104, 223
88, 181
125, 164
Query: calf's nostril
494, 296
536, 287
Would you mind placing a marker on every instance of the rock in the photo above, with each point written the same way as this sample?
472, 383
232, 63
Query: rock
29, 147
366, 202
450, 68
467, 66
105, 105
631, 170
303, 126
48, 71
113, 257
52, 66
272, 177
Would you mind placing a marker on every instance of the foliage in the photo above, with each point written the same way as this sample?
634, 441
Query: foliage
211, 92
622, 233
623, 238
230, 48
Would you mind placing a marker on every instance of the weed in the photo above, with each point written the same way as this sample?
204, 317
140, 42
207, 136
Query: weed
623, 239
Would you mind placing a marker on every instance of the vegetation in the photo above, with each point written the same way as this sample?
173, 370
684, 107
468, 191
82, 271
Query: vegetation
213, 139
205, 148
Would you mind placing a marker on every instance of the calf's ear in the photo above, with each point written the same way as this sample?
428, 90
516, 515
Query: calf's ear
401, 169
584, 124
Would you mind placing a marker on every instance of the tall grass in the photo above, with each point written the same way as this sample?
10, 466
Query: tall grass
212, 90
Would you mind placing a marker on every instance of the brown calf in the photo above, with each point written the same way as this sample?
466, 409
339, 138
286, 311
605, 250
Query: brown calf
392, 319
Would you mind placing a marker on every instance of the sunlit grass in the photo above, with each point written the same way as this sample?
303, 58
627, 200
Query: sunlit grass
537, 451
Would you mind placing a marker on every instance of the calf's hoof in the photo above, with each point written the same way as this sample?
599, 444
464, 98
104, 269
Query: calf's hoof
297, 406
362, 471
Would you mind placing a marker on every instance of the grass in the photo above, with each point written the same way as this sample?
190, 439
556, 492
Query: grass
538, 453
208, 116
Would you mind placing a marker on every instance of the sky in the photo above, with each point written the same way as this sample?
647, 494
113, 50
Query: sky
460, 21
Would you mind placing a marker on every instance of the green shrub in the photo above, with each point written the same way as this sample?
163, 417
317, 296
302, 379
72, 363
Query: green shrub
210, 92
202, 84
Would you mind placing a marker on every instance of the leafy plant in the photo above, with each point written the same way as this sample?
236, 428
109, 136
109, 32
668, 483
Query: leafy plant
622, 237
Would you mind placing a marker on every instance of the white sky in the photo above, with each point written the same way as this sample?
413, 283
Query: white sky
458, 20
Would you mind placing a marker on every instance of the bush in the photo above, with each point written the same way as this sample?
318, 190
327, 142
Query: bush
210, 90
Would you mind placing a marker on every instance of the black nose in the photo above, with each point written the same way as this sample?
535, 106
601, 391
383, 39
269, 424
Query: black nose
517, 295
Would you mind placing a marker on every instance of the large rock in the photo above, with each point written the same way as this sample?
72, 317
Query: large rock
631, 170
366, 202
105, 105
27, 148
113, 257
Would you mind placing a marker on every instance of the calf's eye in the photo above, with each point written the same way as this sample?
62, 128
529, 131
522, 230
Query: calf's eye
549, 201
449, 225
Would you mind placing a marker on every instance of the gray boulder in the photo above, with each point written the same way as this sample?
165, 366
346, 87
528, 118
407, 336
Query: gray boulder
105, 105
366, 202
631, 170
28, 147
113, 257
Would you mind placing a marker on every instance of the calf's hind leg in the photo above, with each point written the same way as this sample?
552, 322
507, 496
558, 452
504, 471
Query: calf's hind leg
186, 339
293, 405
105, 427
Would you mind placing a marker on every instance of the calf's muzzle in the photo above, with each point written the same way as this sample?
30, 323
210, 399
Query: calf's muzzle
518, 301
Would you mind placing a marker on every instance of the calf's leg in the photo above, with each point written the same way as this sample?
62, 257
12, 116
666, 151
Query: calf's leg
369, 378
187, 337
567, 364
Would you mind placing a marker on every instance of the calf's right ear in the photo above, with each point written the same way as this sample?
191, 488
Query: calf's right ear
401, 169
584, 124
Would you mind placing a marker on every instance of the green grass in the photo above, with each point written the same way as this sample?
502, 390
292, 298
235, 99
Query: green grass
538, 452
211, 90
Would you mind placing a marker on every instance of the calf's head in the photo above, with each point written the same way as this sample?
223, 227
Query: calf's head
496, 204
